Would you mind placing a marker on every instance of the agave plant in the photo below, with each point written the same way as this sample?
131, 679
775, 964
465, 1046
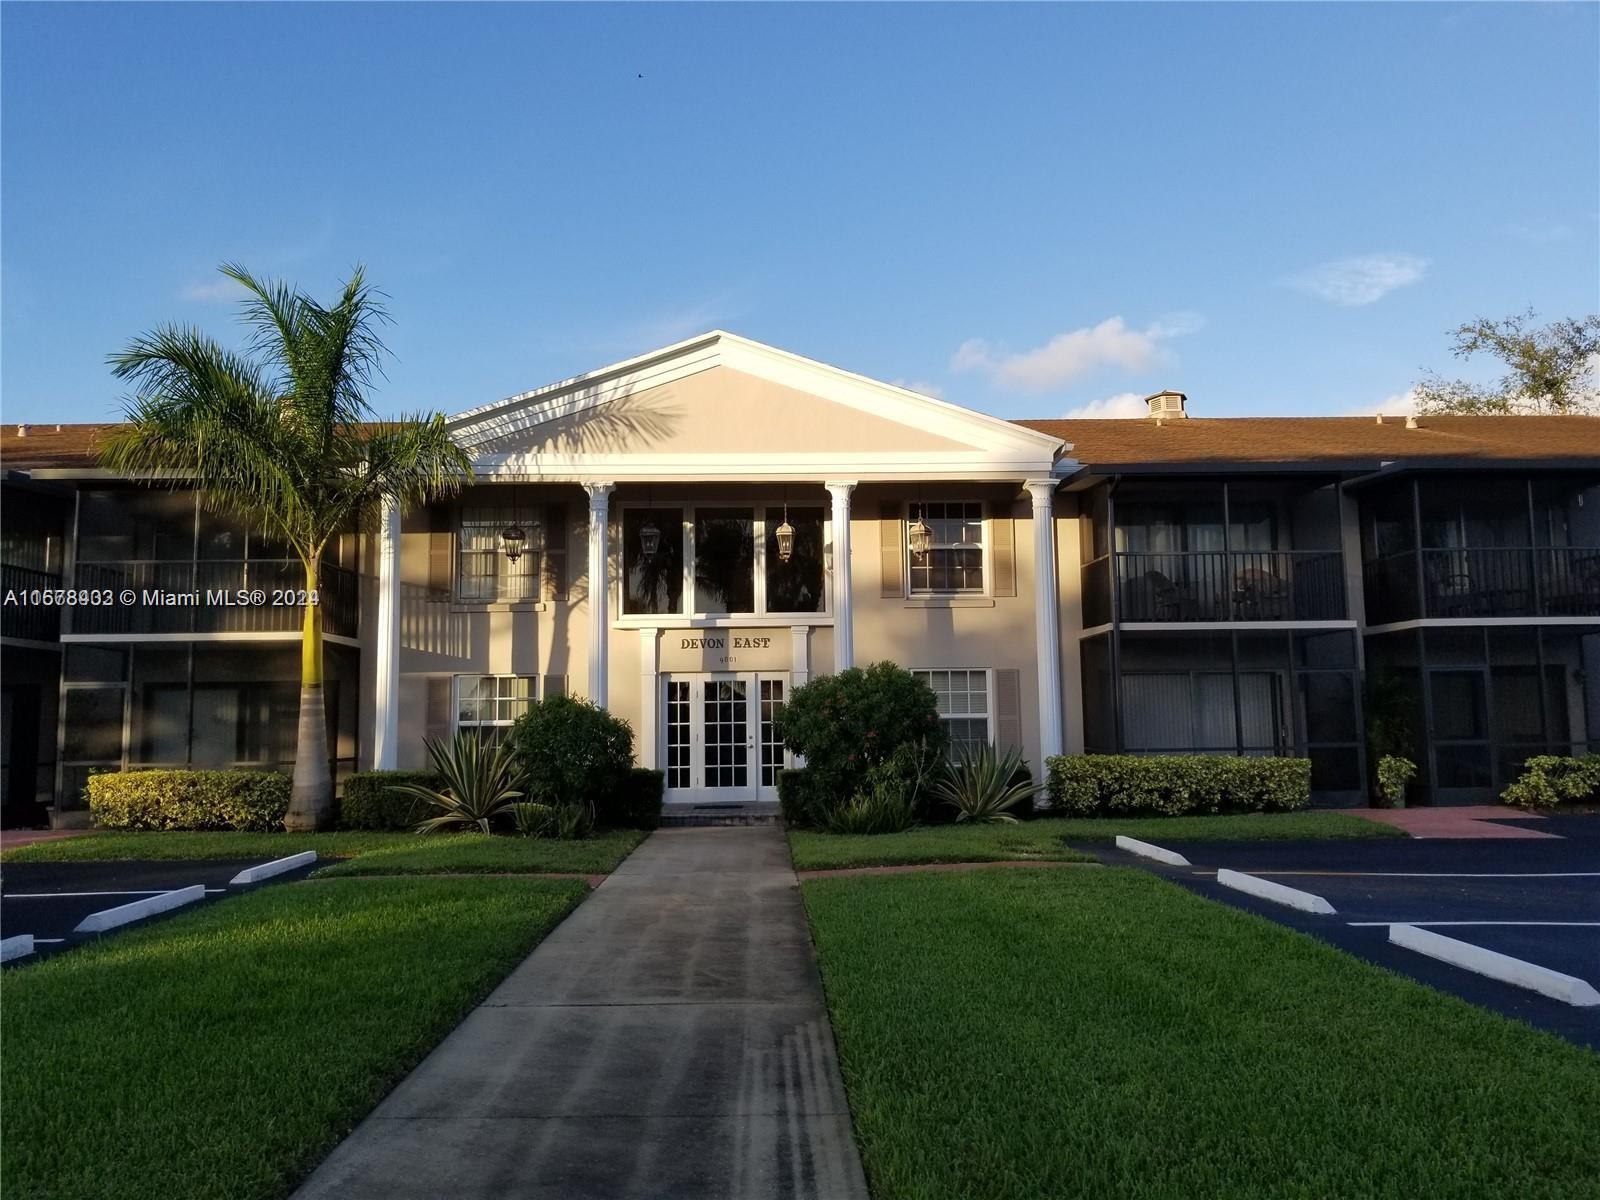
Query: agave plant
532, 819
477, 783
983, 786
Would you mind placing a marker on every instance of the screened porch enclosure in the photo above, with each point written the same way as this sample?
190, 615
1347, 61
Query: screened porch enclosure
1479, 702
1236, 693
1211, 551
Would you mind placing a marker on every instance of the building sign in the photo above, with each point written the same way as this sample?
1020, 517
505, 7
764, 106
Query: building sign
684, 650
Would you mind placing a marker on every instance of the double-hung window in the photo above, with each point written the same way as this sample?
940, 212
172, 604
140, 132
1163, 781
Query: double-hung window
485, 571
723, 560
491, 704
953, 562
964, 705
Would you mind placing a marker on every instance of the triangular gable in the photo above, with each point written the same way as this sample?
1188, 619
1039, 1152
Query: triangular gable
721, 406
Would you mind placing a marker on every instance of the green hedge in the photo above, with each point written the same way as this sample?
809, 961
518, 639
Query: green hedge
369, 801
248, 800
1116, 785
1549, 779
795, 786
636, 804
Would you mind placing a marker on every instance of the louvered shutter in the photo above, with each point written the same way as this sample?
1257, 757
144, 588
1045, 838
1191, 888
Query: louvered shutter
554, 685
891, 552
1008, 709
555, 552
1002, 531
441, 553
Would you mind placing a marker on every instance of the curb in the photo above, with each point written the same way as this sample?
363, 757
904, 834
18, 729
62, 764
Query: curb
1267, 890
1568, 989
277, 866
1147, 850
16, 947
110, 918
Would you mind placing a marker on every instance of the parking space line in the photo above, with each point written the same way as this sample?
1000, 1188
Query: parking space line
1447, 874
1575, 925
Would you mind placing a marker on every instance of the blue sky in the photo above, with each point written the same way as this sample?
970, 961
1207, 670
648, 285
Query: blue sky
1031, 210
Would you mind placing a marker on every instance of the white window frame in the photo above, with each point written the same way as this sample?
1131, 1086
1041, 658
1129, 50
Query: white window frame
988, 713
497, 722
984, 547
760, 611
533, 553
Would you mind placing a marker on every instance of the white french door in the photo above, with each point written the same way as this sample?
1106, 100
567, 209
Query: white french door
720, 737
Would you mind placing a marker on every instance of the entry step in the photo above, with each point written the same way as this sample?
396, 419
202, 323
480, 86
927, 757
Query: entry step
760, 813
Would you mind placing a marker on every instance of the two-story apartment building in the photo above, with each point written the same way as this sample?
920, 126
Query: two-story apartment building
686, 536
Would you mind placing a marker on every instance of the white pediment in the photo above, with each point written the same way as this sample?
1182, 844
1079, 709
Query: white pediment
723, 407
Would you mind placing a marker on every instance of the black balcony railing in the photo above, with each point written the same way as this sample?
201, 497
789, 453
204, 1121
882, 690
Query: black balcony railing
1467, 583
26, 613
212, 596
1236, 585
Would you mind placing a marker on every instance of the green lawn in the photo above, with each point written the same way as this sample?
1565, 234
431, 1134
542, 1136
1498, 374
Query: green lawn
393, 853
225, 1051
1046, 838
1018, 1034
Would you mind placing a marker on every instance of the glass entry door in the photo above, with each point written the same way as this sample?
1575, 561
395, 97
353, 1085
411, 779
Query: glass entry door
720, 740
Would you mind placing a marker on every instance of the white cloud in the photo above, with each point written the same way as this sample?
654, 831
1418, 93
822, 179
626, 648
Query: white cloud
1364, 279
1400, 404
920, 386
1074, 354
1540, 233
215, 291
1123, 404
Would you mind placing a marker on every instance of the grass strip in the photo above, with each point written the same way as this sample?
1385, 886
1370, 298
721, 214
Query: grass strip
1046, 838
408, 853
1018, 1034
226, 1051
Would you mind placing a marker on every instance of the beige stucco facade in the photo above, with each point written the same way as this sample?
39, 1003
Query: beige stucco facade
723, 424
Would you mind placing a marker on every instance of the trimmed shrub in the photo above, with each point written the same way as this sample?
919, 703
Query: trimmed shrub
1395, 773
1548, 780
247, 800
794, 797
636, 804
847, 724
1124, 785
370, 800
569, 751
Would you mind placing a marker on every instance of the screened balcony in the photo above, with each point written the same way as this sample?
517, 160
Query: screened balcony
1212, 551
1482, 546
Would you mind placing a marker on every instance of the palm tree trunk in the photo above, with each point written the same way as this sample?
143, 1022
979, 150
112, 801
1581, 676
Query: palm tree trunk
311, 801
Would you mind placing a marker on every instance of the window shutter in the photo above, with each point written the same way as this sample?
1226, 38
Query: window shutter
554, 685
1002, 530
1008, 710
441, 552
439, 716
891, 549
555, 552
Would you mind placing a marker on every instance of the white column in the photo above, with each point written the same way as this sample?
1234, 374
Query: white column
799, 654
649, 696
1046, 622
599, 588
844, 654
386, 692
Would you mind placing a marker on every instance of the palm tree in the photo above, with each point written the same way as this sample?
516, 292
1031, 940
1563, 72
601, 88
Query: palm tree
280, 438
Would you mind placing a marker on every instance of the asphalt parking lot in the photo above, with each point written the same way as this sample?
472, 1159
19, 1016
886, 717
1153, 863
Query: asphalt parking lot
49, 900
1537, 900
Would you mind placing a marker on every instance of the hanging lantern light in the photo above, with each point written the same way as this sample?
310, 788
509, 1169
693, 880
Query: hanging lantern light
785, 535
920, 535
512, 540
649, 538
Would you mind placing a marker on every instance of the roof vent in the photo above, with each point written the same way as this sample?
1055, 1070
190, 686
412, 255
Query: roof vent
1411, 421
1167, 404
22, 431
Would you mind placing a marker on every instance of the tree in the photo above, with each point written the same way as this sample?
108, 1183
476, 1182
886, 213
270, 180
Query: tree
1553, 368
281, 438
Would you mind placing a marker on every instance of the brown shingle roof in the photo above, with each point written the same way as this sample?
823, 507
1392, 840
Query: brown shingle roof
1336, 441
50, 446
1357, 442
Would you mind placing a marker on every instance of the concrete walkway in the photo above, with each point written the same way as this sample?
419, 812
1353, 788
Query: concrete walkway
668, 1040
1455, 821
